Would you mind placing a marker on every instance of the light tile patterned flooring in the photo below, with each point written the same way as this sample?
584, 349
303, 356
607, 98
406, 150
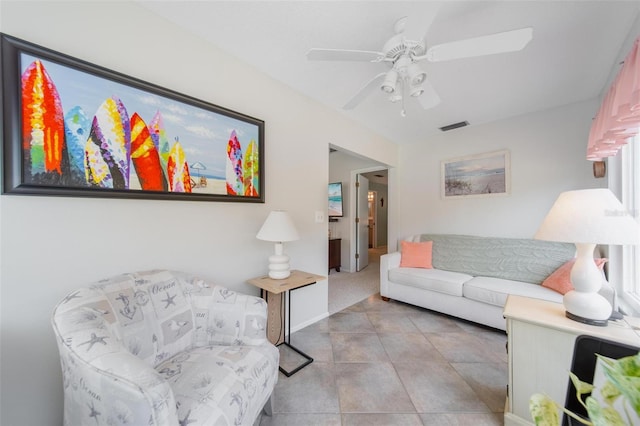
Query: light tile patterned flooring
390, 363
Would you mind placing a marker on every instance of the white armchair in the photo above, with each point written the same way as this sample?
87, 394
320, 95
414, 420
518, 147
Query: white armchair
163, 348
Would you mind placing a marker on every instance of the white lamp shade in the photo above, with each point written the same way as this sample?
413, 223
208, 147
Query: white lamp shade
278, 227
592, 216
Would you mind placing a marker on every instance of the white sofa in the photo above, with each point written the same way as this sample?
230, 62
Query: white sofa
163, 348
472, 276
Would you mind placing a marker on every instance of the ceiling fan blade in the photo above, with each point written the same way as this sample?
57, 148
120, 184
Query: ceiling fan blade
344, 55
366, 90
509, 41
416, 26
429, 98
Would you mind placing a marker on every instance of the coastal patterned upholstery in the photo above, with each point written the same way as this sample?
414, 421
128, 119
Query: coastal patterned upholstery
163, 348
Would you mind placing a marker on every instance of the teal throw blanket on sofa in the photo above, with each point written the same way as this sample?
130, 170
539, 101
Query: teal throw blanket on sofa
515, 259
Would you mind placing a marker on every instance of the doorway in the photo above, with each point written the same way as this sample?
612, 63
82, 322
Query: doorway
348, 286
377, 198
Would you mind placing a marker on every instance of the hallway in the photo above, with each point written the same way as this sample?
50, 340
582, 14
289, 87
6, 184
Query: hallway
348, 288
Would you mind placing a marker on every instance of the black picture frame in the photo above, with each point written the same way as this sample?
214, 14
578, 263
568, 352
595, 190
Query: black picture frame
192, 150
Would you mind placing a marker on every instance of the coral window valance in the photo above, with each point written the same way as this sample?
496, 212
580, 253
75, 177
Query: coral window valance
618, 118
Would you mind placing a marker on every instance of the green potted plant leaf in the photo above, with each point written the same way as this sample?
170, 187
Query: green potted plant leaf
616, 402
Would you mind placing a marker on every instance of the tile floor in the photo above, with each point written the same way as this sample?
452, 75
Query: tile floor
389, 363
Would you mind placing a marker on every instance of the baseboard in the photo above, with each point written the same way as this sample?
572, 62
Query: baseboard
511, 419
309, 322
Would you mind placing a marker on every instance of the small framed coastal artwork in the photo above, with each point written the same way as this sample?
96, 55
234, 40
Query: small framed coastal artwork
72, 128
479, 175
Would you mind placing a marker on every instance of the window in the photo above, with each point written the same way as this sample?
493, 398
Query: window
630, 197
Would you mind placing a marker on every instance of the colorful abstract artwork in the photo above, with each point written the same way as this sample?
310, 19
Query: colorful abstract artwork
76, 129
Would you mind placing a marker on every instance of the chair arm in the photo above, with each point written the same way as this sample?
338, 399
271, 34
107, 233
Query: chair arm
225, 317
103, 382
387, 262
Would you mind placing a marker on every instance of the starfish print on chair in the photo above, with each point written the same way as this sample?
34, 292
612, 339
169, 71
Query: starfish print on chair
169, 300
94, 339
94, 413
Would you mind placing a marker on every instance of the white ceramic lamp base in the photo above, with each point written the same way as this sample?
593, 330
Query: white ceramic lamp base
279, 268
584, 304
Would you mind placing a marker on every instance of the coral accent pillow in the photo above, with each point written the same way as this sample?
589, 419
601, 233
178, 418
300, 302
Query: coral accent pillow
416, 255
560, 279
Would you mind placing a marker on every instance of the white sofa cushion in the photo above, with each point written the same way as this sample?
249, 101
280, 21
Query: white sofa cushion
494, 291
446, 282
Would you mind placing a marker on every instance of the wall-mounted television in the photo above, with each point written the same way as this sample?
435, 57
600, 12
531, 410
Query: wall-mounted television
335, 200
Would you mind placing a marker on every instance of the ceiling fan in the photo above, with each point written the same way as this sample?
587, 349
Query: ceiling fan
402, 52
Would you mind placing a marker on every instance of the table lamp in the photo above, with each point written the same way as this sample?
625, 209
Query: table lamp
278, 228
588, 217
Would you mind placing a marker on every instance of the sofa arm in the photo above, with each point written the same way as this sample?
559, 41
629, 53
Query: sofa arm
103, 382
387, 262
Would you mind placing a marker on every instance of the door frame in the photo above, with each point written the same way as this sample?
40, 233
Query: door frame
353, 244
362, 226
374, 226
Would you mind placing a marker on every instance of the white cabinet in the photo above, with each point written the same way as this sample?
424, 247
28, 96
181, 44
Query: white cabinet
540, 343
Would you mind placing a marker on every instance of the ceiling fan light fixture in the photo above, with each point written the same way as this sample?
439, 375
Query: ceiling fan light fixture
390, 80
417, 91
415, 74
404, 52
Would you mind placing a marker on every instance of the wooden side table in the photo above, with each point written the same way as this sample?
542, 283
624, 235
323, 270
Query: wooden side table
540, 341
273, 291
335, 255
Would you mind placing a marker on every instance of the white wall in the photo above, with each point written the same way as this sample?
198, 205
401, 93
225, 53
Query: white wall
548, 151
51, 246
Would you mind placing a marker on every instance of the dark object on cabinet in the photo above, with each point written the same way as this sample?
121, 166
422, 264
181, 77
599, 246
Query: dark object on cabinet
584, 366
334, 253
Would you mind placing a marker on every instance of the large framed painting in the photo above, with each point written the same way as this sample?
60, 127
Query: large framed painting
71, 128
479, 175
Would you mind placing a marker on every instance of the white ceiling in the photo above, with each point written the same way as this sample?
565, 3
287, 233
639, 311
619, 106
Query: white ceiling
570, 59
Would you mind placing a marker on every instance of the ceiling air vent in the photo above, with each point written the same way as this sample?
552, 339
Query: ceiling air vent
454, 126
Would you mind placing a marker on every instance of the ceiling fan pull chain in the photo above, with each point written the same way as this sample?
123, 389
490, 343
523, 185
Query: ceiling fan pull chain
403, 113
